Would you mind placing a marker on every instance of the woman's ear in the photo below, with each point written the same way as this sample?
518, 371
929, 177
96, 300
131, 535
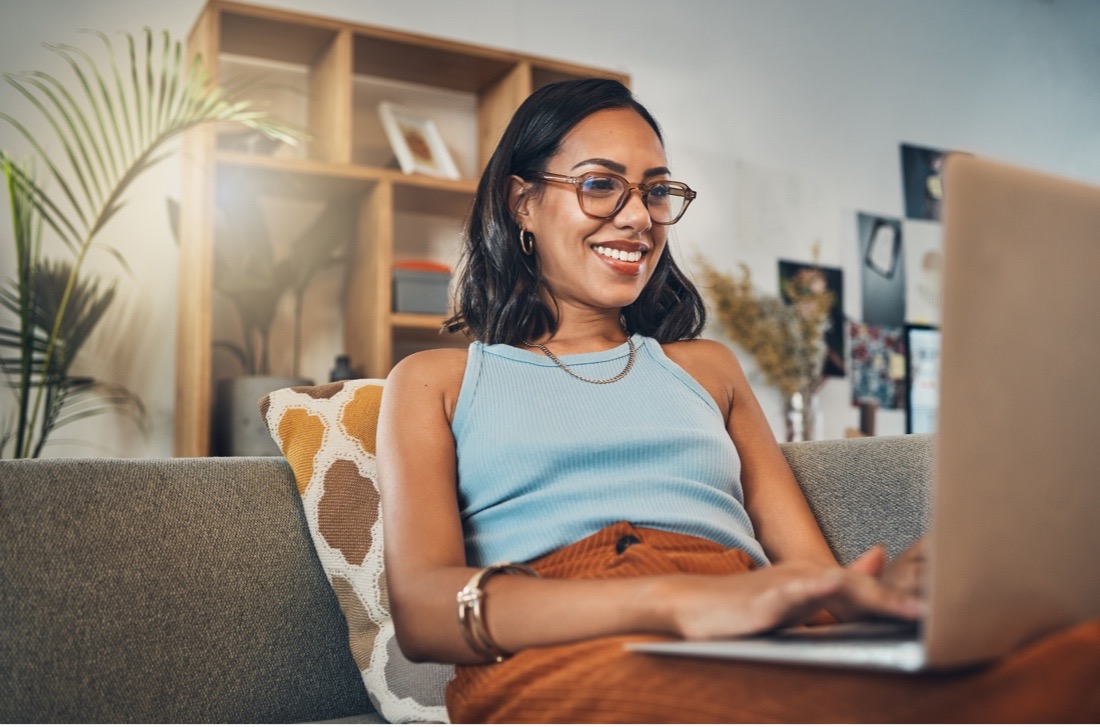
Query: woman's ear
519, 200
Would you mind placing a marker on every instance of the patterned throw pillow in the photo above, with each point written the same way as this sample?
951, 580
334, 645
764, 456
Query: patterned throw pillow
327, 434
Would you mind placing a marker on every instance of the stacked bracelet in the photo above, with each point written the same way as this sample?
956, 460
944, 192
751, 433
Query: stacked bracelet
471, 610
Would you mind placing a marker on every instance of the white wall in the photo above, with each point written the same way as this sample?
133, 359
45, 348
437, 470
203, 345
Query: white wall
812, 96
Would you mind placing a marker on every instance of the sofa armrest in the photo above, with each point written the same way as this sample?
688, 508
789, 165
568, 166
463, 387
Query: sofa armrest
866, 491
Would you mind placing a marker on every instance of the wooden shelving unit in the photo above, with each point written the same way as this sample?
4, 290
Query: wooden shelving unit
327, 77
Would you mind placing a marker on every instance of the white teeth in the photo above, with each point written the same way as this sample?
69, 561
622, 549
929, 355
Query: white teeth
630, 257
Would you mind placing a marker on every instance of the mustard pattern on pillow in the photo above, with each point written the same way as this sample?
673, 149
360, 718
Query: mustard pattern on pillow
327, 434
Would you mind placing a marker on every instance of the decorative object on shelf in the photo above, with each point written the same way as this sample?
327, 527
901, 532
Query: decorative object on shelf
341, 370
416, 142
787, 340
421, 286
112, 124
239, 429
867, 411
802, 414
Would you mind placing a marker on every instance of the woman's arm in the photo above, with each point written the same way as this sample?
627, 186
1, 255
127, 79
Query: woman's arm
783, 522
425, 560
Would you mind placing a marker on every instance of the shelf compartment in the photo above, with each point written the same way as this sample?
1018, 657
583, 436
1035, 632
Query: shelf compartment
281, 244
410, 340
417, 321
427, 61
454, 114
273, 35
297, 71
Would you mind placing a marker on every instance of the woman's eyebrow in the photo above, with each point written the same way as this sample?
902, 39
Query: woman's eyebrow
613, 166
619, 168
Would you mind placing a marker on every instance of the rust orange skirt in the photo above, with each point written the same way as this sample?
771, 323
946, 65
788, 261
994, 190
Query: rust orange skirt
597, 681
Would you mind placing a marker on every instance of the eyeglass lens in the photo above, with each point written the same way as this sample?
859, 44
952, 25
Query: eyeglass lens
602, 196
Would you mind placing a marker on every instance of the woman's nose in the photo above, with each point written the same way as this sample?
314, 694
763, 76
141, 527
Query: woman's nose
635, 213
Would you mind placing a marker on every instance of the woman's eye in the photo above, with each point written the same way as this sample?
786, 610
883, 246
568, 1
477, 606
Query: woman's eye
660, 190
600, 185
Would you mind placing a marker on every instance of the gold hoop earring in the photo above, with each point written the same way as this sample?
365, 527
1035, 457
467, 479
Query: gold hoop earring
526, 241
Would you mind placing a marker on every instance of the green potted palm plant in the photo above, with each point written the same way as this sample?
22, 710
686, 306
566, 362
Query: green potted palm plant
110, 124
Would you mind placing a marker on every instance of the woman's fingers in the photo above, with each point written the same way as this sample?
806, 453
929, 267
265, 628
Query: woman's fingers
851, 593
874, 597
871, 562
785, 595
906, 572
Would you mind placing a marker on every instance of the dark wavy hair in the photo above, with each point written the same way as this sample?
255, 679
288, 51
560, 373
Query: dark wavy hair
498, 298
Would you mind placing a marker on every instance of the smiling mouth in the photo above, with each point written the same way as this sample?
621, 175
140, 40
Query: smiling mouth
632, 256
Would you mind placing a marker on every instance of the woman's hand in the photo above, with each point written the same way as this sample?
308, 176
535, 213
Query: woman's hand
906, 572
788, 594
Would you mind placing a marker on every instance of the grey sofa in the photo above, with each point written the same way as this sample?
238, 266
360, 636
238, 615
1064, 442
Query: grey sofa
188, 590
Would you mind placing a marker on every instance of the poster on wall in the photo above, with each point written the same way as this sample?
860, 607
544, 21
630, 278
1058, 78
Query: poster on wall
832, 280
922, 184
877, 365
922, 378
924, 268
882, 269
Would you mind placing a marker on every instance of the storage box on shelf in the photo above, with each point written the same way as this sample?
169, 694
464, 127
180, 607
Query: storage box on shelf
421, 286
329, 76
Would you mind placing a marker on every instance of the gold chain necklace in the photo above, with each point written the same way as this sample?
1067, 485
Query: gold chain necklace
571, 372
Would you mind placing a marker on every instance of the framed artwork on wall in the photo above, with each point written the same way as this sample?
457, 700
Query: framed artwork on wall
416, 142
882, 269
922, 378
877, 365
832, 279
922, 186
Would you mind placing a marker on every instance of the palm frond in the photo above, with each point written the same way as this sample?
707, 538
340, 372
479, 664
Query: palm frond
110, 128
144, 109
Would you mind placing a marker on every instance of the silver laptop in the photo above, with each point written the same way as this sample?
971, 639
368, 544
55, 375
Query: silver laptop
1014, 531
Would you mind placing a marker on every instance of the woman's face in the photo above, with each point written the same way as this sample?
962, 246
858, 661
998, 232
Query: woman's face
579, 255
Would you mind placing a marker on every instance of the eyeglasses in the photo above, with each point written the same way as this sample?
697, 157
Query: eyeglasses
603, 195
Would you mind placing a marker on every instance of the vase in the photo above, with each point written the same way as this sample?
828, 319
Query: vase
803, 415
239, 430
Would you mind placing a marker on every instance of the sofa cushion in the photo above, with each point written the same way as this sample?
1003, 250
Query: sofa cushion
327, 434
866, 491
165, 590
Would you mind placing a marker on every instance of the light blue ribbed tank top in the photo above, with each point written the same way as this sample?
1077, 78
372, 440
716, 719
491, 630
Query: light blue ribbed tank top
545, 460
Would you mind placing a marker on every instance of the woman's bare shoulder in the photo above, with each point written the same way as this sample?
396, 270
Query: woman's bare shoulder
431, 374
702, 354
432, 363
712, 365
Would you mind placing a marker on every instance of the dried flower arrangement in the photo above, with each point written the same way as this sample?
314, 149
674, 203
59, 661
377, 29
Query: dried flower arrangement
787, 340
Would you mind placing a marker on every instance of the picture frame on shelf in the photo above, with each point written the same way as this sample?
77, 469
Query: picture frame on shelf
416, 142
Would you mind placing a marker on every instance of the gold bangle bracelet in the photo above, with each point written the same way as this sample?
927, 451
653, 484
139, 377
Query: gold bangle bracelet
471, 607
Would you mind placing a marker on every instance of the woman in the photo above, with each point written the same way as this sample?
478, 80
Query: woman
590, 438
